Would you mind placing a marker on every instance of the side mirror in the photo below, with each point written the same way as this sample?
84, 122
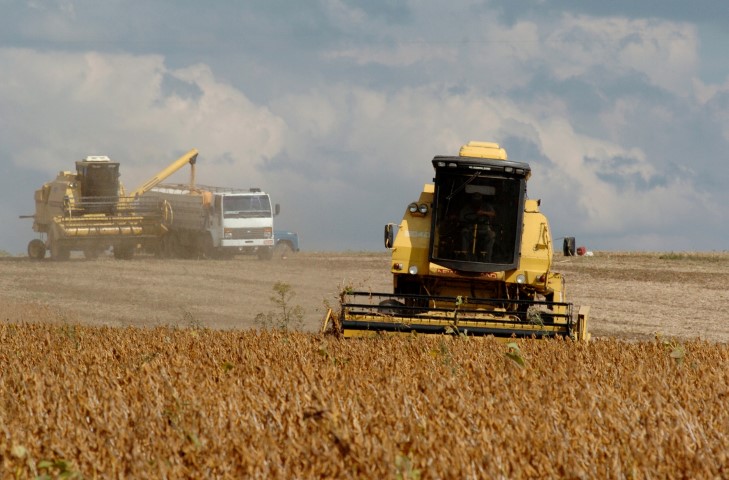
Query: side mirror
389, 235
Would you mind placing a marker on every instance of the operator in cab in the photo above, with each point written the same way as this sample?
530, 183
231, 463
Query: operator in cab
477, 236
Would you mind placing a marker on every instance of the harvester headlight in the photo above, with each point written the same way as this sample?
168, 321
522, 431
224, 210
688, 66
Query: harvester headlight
413, 270
521, 278
423, 208
397, 266
413, 208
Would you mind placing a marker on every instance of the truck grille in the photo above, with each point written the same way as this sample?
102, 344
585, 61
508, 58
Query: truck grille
248, 233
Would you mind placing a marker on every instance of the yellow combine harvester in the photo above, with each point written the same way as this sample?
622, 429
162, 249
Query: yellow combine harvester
89, 211
473, 256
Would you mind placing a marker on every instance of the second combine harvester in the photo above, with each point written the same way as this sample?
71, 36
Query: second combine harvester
472, 256
89, 210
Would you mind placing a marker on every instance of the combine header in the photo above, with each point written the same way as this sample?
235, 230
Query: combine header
473, 256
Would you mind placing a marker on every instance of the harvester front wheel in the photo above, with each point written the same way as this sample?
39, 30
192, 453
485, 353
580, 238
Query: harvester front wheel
37, 249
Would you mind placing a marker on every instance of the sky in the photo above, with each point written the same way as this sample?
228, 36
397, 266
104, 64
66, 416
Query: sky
336, 107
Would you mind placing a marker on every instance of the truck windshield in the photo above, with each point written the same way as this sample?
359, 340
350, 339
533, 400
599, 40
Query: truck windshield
476, 220
246, 206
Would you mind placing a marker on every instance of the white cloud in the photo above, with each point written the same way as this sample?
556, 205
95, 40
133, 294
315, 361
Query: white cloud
713, 99
64, 106
340, 13
400, 55
665, 52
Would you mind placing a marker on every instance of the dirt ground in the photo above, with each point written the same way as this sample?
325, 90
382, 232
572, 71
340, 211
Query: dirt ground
632, 296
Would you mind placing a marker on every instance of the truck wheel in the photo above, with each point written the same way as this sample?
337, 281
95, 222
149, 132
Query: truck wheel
37, 249
91, 253
568, 247
282, 250
265, 253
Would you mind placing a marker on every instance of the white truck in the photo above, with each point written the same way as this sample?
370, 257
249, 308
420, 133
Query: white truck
215, 222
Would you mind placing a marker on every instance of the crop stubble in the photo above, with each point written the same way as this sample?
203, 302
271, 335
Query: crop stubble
632, 296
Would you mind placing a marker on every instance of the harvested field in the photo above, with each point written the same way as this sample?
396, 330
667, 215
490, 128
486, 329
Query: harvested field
151, 368
632, 296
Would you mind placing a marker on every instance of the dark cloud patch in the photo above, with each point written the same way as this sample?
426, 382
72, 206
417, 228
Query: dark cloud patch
457, 90
310, 169
591, 97
719, 103
392, 12
227, 158
521, 149
580, 93
173, 86
620, 171
680, 138
710, 12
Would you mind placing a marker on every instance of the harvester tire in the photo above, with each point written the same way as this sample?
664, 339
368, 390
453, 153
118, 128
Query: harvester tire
59, 253
37, 249
568, 247
91, 253
123, 252
167, 247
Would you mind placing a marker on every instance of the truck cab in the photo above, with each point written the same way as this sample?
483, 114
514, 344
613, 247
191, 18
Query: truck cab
246, 221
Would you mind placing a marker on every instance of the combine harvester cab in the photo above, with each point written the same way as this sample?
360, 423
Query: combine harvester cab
472, 256
89, 211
